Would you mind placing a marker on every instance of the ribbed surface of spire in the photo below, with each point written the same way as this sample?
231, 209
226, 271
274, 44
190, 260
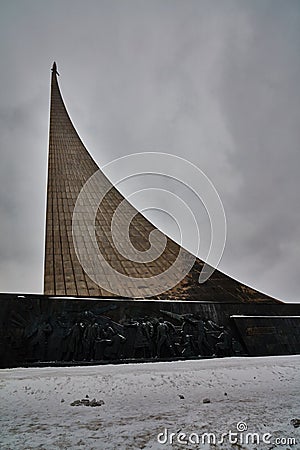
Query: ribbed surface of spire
69, 167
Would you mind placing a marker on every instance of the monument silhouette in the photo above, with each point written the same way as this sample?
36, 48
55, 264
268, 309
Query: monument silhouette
70, 166
80, 319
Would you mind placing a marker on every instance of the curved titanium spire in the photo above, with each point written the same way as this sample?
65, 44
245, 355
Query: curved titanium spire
69, 167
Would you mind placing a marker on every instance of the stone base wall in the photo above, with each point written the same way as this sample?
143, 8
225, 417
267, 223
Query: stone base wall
37, 328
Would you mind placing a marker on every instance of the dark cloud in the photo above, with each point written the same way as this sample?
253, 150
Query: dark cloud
214, 82
261, 108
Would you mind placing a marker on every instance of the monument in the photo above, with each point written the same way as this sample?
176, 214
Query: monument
81, 320
70, 166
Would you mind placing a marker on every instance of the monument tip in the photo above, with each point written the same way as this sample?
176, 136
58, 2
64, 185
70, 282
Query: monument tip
54, 68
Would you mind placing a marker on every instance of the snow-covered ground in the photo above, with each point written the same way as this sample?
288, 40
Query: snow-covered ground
143, 400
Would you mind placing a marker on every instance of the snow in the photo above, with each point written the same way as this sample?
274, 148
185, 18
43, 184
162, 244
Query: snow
142, 400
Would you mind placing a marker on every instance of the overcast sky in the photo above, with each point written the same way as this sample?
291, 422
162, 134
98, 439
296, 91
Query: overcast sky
216, 82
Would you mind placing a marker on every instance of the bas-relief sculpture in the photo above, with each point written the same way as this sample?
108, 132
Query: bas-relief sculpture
89, 336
